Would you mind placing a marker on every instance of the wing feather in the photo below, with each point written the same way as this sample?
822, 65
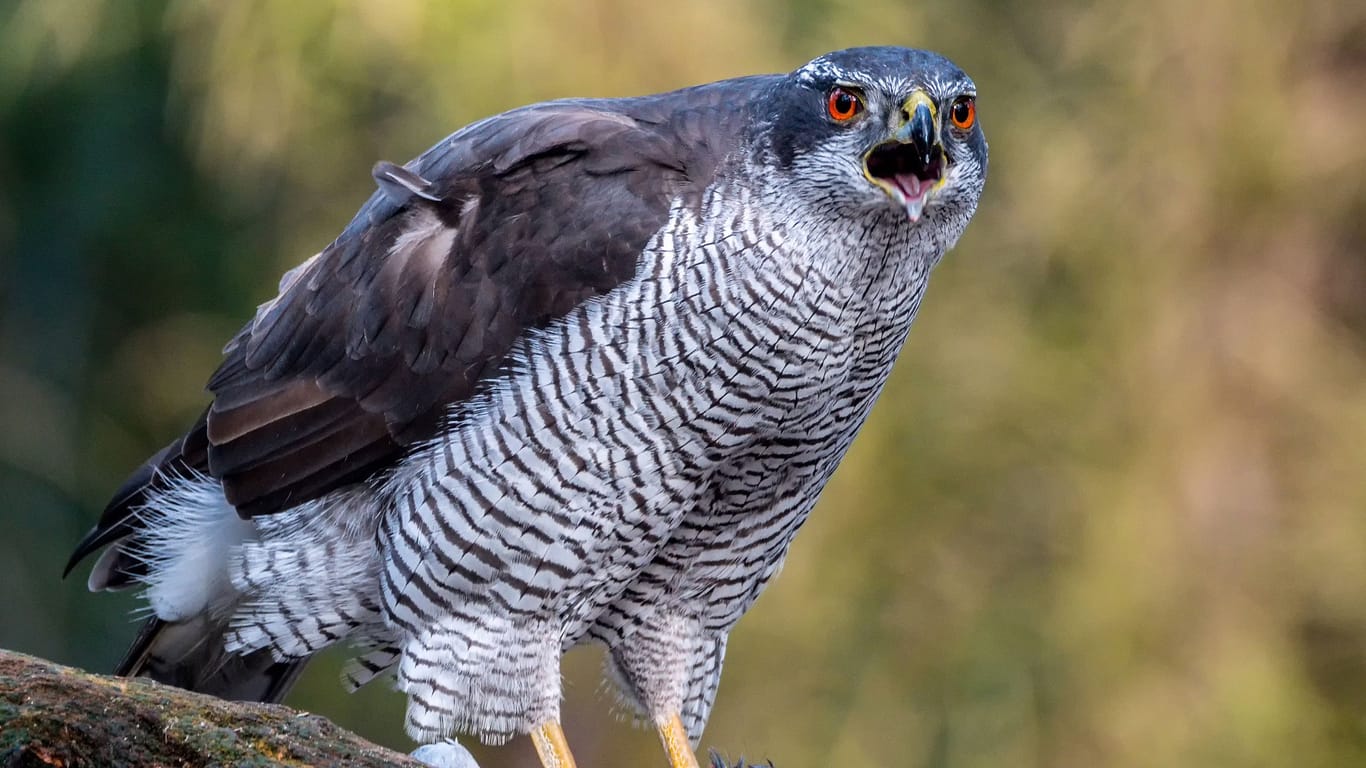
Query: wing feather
503, 227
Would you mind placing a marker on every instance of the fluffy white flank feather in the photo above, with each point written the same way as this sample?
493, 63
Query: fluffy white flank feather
191, 537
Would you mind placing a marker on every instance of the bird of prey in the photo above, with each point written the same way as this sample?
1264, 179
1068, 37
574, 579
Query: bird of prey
576, 374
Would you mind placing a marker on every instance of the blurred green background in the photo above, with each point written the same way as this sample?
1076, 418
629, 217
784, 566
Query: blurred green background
1111, 510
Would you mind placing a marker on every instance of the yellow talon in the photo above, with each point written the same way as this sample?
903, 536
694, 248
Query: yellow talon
676, 744
551, 746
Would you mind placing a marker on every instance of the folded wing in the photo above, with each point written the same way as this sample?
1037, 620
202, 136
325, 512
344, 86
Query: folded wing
503, 227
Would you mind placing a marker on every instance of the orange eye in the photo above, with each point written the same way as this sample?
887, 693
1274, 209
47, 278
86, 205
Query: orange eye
964, 112
843, 104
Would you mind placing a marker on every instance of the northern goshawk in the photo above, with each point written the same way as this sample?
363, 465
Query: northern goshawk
576, 374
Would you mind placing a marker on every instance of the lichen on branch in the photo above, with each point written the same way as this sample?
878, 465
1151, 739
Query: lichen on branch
51, 715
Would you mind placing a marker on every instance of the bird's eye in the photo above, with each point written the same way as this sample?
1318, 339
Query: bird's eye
843, 104
963, 113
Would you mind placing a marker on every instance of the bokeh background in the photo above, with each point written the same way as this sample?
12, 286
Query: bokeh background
1111, 510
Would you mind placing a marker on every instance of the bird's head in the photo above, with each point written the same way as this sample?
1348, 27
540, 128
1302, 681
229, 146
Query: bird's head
876, 128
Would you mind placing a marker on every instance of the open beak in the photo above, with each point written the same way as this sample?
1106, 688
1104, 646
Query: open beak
909, 166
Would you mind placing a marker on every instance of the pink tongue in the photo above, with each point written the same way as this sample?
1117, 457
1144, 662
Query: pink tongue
916, 191
910, 185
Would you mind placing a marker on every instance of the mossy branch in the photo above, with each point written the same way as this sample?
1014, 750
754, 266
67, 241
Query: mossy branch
52, 715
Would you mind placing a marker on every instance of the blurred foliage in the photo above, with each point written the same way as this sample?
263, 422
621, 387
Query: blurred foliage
1111, 509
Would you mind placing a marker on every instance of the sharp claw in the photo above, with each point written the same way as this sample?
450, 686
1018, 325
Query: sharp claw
720, 762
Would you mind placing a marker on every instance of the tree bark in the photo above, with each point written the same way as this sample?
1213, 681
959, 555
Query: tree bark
53, 716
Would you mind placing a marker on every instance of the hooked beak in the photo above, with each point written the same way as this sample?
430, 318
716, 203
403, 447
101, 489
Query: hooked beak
909, 166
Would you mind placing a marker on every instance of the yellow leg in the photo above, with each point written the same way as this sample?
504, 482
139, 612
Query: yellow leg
676, 745
551, 746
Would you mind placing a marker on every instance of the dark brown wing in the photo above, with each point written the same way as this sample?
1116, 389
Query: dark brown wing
503, 227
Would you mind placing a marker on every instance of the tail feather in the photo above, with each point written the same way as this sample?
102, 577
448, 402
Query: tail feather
185, 457
190, 654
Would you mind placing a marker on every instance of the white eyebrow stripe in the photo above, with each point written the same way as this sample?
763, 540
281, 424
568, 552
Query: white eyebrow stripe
935, 85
